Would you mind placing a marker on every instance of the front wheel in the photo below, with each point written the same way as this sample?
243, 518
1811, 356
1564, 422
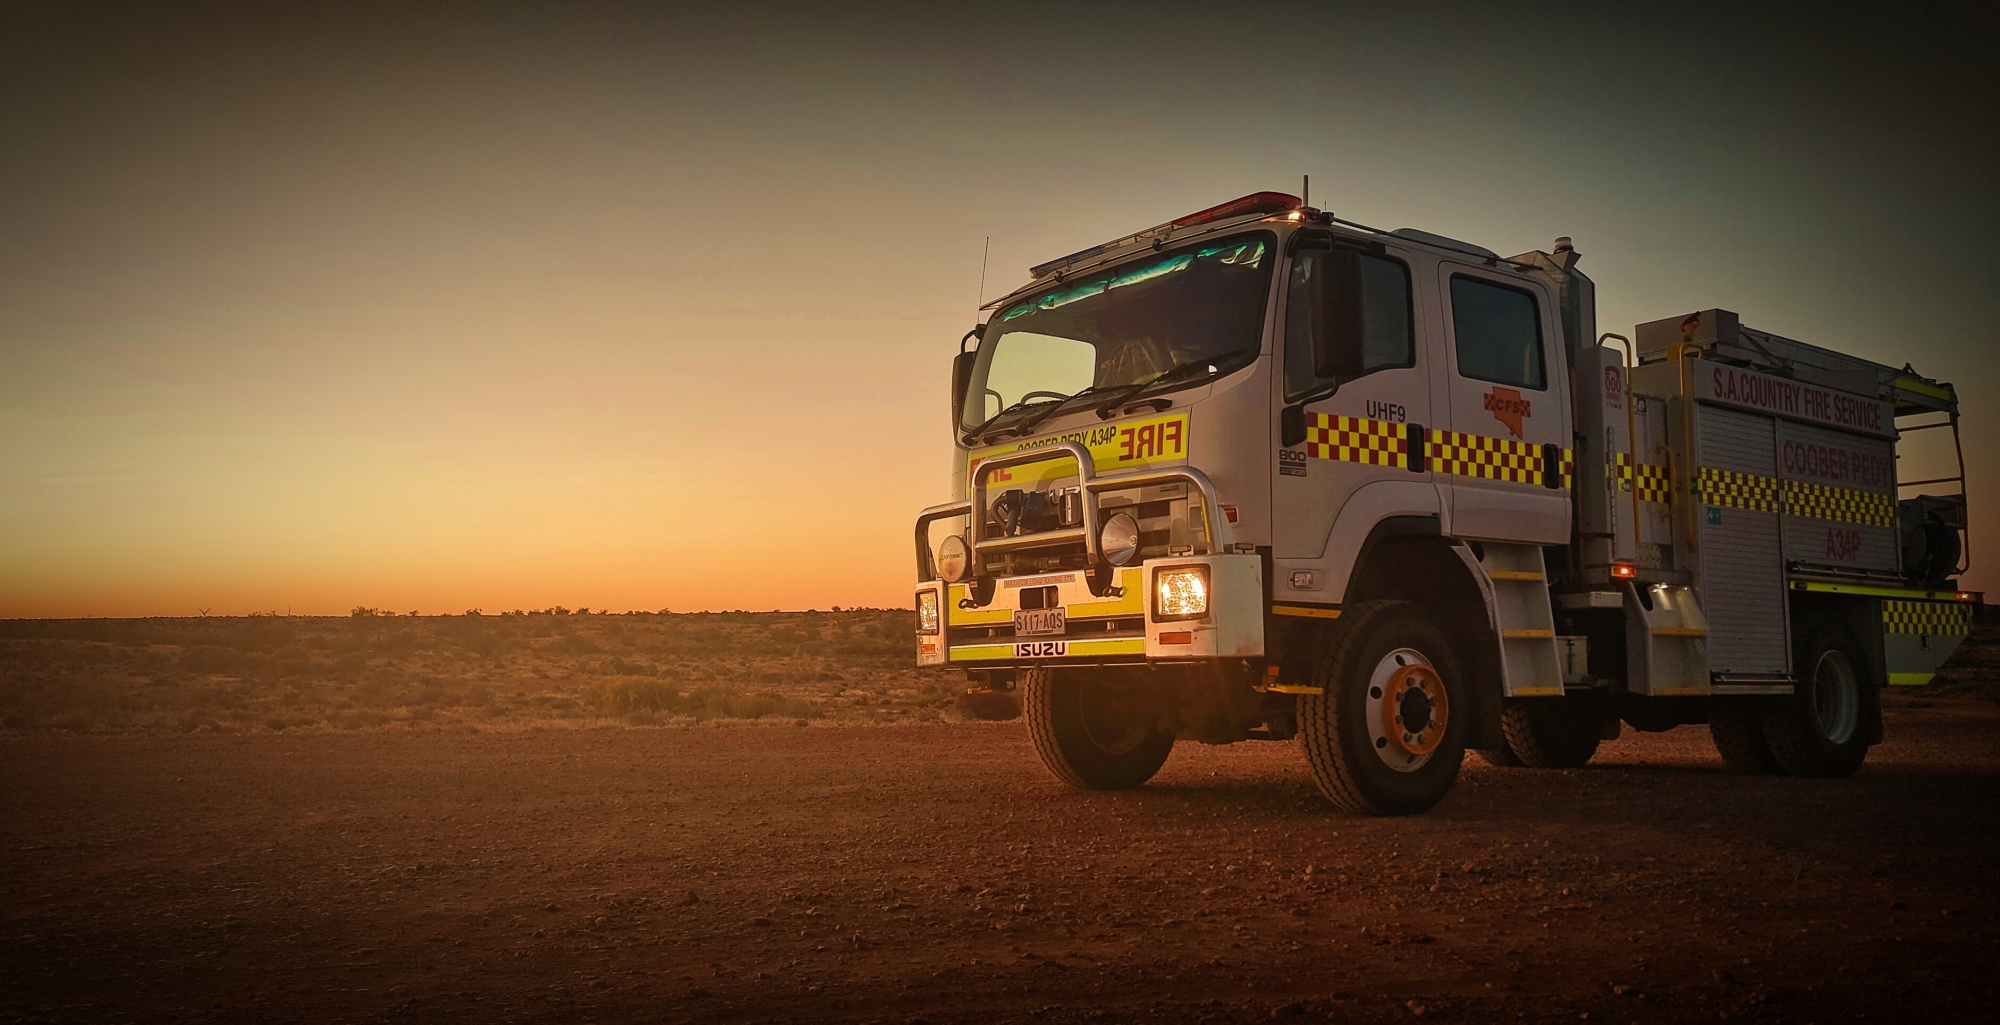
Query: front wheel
1386, 733
1821, 728
1092, 733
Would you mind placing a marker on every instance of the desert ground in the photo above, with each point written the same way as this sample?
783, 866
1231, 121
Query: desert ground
770, 817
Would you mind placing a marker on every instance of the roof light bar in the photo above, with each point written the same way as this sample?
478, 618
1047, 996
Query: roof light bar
1255, 203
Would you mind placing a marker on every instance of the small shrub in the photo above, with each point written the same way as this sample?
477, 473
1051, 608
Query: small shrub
627, 694
210, 658
994, 706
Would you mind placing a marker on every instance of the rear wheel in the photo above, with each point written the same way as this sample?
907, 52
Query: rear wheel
1501, 757
1736, 726
1093, 733
1386, 734
1820, 729
1553, 733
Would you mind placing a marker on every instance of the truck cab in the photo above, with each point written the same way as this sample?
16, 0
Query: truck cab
1259, 473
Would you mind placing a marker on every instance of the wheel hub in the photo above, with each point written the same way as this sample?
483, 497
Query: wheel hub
1408, 710
1414, 703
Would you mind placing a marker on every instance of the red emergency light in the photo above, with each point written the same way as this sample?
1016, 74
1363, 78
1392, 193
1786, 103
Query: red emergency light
1624, 570
1255, 203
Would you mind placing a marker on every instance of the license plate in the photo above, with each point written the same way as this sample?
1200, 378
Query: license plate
1040, 622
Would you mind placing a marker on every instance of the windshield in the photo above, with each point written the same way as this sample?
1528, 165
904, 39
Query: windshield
1180, 317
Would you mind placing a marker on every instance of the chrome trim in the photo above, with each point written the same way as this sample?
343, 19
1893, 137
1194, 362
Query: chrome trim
999, 545
925, 571
1216, 533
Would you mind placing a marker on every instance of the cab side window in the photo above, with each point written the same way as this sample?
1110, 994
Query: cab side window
1499, 334
1388, 337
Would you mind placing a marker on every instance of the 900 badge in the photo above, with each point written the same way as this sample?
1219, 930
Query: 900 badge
1040, 649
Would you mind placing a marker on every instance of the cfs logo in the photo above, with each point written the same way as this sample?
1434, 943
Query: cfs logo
1040, 649
1508, 407
1614, 386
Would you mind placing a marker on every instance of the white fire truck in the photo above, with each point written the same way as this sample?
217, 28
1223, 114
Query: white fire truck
1262, 473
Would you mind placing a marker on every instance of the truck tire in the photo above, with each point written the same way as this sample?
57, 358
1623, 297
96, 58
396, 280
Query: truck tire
1736, 726
1501, 757
1085, 743
1552, 733
1382, 737
1820, 729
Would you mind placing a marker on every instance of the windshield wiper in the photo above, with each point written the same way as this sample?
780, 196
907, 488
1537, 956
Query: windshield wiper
1049, 407
973, 436
1184, 372
1027, 425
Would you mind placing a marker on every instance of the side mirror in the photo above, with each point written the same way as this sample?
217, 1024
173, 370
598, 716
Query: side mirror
1292, 425
961, 379
1339, 324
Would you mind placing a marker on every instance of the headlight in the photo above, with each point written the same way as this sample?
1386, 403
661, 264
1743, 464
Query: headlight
953, 559
927, 612
1119, 540
1180, 593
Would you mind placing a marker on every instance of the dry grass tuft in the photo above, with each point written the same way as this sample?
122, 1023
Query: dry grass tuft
518, 671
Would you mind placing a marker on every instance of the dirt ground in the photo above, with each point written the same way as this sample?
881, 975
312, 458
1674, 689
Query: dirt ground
933, 872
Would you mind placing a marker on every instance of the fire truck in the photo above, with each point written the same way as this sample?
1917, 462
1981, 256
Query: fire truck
1263, 473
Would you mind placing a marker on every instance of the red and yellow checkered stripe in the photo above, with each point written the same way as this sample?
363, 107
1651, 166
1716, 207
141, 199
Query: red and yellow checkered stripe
1477, 455
1930, 618
1350, 439
1736, 490
1843, 505
1652, 481
1796, 498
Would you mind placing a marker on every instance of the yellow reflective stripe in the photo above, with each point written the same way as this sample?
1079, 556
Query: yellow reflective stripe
1076, 648
1126, 445
1305, 611
1133, 603
1911, 384
1796, 498
1739, 490
1909, 679
1483, 456
956, 616
1843, 505
1879, 592
1351, 439
1929, 618
1652, 481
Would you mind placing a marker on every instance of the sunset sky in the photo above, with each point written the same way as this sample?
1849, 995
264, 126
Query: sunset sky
520, 305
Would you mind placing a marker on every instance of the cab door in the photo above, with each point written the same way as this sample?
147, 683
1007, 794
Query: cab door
1504, 447
1359, 440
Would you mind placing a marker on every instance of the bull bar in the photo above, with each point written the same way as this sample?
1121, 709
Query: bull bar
1216, 533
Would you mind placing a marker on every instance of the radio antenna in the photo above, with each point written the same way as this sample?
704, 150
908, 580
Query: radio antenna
982, 269
1306, 199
